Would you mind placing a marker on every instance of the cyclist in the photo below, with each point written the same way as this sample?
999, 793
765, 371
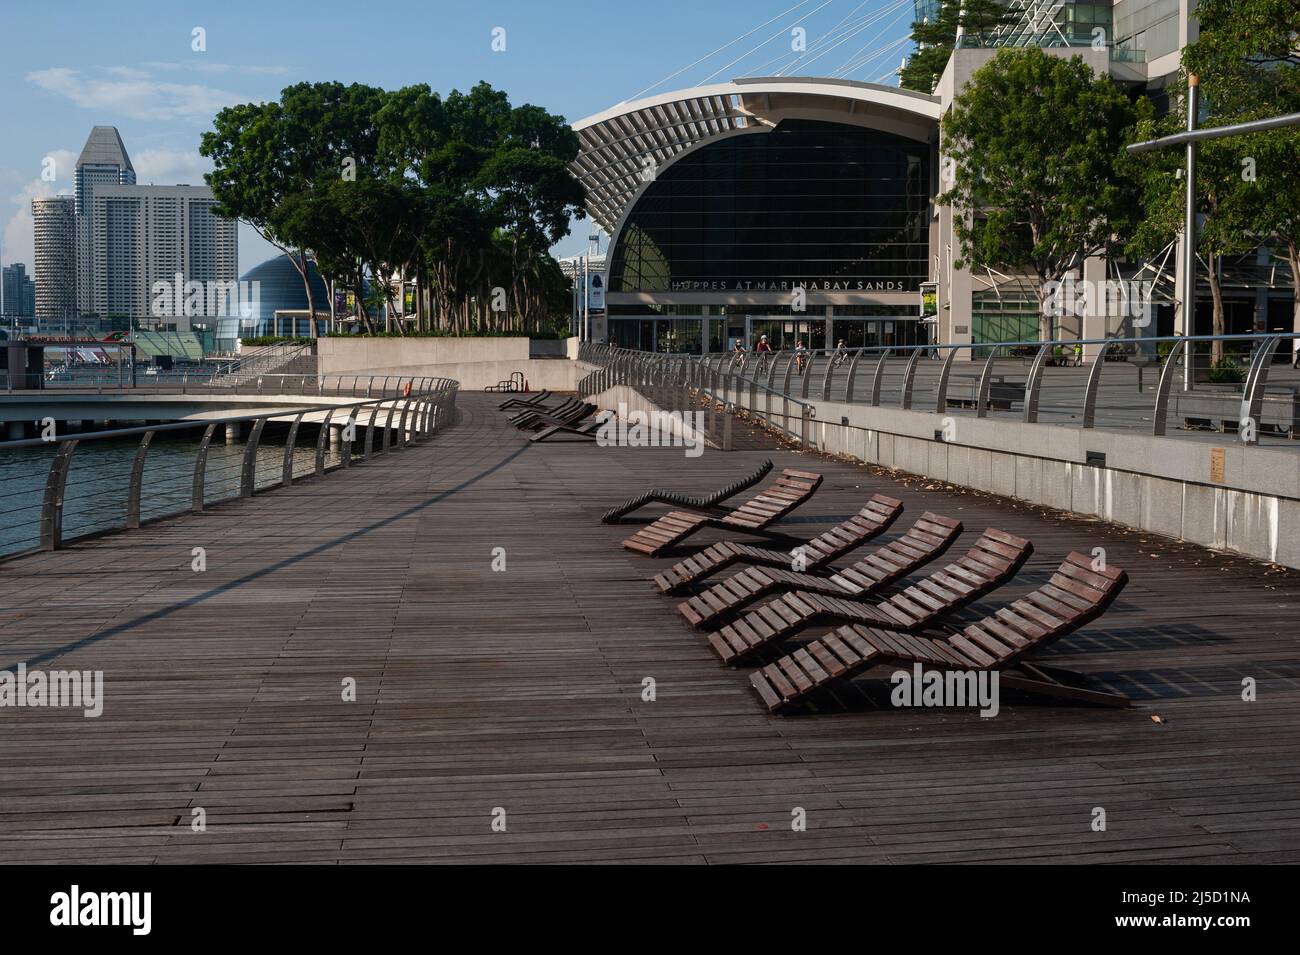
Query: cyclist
764, 350
738, 355
841, 352
800, 355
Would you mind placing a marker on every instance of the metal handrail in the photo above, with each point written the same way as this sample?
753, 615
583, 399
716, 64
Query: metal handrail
1251, 392
436, 393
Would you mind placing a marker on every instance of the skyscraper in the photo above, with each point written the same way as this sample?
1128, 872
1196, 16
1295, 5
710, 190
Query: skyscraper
142, 235
130, 237
18, 292
56, 265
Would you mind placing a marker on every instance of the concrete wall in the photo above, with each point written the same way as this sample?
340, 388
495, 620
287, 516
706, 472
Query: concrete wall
1164, 485
476, 363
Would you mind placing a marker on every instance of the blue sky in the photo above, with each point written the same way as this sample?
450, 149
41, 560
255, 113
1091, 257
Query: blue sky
69, 65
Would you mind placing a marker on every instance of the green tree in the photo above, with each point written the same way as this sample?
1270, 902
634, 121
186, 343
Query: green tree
1033, 152
262, 154
935, 39
1245, 56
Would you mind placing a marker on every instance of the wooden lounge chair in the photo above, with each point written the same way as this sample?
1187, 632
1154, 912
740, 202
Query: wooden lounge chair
874, 519
587, 429
994, 560
535, 401
569, 417
702, 503
774, 501
929, 537
528, 418
1074, 596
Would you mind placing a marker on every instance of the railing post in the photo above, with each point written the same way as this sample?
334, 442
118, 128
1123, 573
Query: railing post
200, 469
785, 392
388, 427
941, 389
807, 373
370, 386
370, 432
853, 373
986, 377
290, 443
137, 479
909, 377
1160, 411
1035, 383
349, 434
322, 437
248, 473
803, 426
878, 378
56, 483
826, 379
1094, 382
1252, 395
403, 436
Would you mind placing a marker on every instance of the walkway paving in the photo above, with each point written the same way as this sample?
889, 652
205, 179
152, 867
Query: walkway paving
482, 693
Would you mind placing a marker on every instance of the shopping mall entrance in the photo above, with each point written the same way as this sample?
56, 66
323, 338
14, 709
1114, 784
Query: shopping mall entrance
784, 332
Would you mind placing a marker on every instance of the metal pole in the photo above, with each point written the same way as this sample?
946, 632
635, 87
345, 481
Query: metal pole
1189, 229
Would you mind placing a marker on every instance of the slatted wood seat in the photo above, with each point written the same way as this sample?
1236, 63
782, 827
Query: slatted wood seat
569, 418
929, 537
535, 401
704, 502
996, 557
874, 519
1075, 595
525, 418
774, 501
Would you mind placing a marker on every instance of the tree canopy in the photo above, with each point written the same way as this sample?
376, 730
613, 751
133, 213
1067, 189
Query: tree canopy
463, 194
1034, 165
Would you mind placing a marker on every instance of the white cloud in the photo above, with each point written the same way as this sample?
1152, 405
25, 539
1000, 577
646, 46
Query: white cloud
138, 98
167, 167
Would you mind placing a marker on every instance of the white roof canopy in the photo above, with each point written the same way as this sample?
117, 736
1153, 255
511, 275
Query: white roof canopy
620, 144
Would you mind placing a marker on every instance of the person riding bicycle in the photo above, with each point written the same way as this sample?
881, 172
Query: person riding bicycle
764, 351
800, 355
738, 354
841, 352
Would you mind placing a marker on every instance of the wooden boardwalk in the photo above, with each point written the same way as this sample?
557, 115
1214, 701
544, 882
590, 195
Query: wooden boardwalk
522, 690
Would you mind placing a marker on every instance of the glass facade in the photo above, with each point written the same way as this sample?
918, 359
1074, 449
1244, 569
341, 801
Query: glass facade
823, 206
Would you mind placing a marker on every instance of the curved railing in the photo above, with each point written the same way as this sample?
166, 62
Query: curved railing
46, 503
1154, 384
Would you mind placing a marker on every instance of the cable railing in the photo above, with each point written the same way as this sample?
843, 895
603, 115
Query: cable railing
237, 383
683, 383
63, 488
1163, 386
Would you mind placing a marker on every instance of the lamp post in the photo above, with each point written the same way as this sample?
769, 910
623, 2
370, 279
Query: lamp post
1189, 229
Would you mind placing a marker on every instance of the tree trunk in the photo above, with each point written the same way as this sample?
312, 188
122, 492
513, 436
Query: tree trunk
1216, 293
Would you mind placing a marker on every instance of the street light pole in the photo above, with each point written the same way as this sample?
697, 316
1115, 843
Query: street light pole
1189, 230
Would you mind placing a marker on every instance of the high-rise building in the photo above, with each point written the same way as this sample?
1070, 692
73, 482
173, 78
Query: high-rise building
142, 235
17, 292
55, 221
130, 237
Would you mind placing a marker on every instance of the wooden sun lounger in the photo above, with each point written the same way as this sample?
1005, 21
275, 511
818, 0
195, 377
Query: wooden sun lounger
774, 501
585, 430
994, 560
929, 537
1074, 596
568, 418
528, 418
535, 401
874, 519
672, 498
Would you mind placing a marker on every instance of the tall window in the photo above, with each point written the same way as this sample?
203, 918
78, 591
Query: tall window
812, 204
